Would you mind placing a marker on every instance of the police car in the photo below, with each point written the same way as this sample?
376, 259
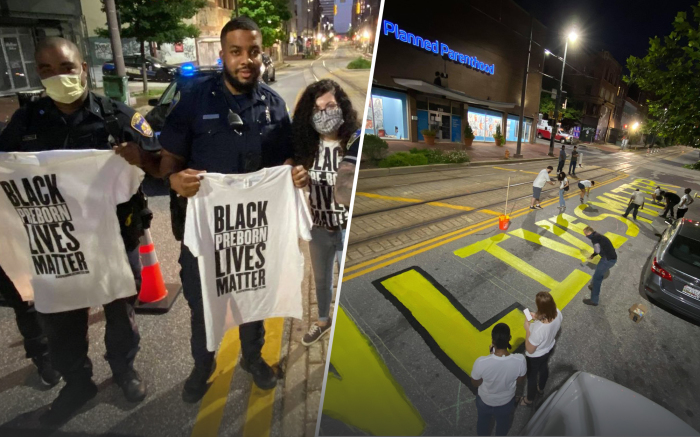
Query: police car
155, 68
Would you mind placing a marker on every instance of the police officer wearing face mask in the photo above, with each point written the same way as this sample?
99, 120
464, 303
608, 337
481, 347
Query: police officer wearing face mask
230, 123
71, 117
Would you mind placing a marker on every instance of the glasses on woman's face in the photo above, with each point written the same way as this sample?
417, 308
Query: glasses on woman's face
330, 106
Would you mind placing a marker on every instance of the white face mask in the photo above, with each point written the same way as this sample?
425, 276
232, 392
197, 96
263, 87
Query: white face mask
64, 88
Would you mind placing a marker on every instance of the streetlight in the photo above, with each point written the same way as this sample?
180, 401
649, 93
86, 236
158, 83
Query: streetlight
635, 126
572, 36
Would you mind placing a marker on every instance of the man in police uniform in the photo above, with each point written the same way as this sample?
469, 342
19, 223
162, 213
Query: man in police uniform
225, 124
346, 171
71, 117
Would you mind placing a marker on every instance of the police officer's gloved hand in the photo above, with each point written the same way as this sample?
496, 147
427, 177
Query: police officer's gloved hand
186, 183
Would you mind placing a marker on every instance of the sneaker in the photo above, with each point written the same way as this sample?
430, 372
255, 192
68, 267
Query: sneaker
315, 333
590, 302
49, 377
71, 398
532, 207
197, 383
538, 206
581, 200
590, 287
264, 376
131, 384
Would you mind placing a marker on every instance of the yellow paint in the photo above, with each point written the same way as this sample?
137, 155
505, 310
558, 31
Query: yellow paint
211, 409
506, 169
366, 396
549, 243
447, 205
439, 204
632, 228
424, 246
379, 196
260, 402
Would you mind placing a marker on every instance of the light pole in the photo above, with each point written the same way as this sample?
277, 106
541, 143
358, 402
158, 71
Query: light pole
572, 36
521, 124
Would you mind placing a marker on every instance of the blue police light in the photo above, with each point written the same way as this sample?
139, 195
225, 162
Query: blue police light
436, 47
187, 69
219, 63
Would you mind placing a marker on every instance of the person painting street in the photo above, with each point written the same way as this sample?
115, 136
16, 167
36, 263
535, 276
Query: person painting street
496, 376
672, 200
563, 188
562, 159
602, 247
572, 163
686, 200
541, 180
585, 187
658, 196
636, 202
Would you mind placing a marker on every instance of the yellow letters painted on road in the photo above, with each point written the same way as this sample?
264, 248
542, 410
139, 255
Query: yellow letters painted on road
366, 396
632, 228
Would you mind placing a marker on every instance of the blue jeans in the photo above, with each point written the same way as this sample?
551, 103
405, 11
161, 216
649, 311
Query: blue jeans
562, 203
601, 269
326, 248
572, 166
501, 413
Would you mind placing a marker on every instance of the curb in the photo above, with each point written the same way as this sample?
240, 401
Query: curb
375, 172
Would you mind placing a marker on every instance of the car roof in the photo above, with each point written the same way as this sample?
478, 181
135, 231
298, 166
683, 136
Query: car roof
690, 228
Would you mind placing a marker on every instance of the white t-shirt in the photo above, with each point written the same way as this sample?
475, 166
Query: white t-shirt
541, 179
586, 183
60, 237
688, 201
563, 183
638, 198
326, 212
542, 335
500, 375
245, 229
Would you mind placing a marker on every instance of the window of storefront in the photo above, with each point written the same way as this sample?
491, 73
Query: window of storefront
17, 60
387, 115
512, 128
483, 123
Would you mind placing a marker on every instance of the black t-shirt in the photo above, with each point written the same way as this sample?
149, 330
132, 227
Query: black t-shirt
574, 154
672, 198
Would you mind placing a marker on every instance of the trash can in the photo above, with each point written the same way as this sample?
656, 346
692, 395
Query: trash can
24, 97
116, 87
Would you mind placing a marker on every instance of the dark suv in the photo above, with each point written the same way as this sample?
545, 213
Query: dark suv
155, 69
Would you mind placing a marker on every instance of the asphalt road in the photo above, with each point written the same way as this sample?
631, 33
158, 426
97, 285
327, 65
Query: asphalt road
413, 319
164, 360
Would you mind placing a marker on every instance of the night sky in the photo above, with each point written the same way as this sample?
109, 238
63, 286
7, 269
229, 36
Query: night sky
622, 27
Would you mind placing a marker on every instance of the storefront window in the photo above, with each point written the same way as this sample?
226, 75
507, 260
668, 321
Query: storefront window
512, 128
483, 123
387, 115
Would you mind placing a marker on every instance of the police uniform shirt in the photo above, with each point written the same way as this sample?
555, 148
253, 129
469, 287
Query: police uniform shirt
197, 128
350, 155
41, 126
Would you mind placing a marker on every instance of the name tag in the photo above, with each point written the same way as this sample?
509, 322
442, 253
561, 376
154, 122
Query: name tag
210, 116
29, 137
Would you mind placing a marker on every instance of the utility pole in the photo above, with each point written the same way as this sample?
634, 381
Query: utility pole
555, 128
521, 130
119, 88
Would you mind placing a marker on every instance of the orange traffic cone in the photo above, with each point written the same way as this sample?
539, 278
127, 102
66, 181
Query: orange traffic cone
152, 284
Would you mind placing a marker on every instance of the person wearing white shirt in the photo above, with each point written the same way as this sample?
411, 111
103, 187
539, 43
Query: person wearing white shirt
563, 188
683, 206
541, 180
496, 376
585, 187
636, 202
539, 340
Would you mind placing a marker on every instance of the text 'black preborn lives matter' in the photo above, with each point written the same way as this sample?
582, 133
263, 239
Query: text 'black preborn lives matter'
49, 225
240, 240
325, 210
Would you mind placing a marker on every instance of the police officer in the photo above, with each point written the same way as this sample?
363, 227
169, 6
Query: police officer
71, 117
230, 123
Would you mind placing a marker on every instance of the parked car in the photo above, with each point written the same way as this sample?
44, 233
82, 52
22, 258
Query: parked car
561, 136
593, 406
672, 273
267, 72
188, 75
155, 69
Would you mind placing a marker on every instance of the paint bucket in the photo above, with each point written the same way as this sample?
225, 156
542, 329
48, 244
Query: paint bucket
503, 222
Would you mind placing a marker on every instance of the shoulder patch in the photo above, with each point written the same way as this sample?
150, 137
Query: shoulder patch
355, 136
140, 125
173, 102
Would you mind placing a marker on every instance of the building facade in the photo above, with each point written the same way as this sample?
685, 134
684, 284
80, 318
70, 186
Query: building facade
434, 71
22, 24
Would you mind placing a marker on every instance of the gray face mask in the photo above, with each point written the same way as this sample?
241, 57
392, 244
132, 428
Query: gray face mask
328, 121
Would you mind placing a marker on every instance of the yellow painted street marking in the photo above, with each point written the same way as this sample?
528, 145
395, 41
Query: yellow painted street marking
439, 204
424, 246
447, 205
379, 196
212, 408
632, 228
549, 243
366, 396
586, 250
512, 169
260, 403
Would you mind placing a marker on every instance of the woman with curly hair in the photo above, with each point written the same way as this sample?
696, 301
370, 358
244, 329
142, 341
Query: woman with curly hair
324, 122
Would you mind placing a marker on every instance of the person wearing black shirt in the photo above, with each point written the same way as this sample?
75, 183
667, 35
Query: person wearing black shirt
672, 200
608, 257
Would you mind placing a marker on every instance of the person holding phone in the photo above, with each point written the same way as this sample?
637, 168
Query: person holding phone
540, 335
496, 376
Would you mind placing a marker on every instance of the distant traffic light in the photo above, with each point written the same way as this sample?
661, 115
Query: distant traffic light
624, 127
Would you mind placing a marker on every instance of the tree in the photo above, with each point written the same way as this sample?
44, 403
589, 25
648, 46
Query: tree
269, 16
671, 71
547, 104
158, 21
